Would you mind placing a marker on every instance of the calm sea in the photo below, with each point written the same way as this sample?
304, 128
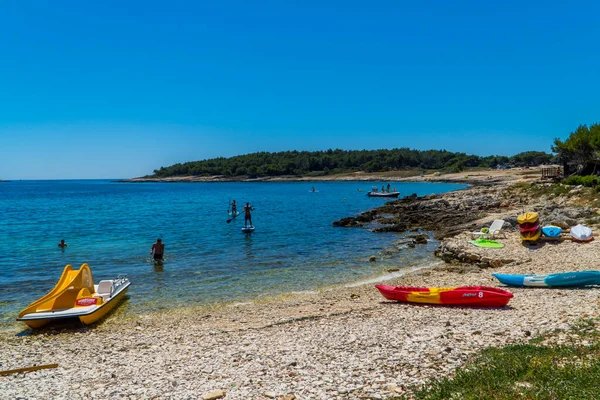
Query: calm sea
111, 226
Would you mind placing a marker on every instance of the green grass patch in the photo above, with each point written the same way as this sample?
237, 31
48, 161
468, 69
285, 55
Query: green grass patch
528, 371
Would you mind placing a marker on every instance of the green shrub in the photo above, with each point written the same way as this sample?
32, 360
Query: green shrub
588, 180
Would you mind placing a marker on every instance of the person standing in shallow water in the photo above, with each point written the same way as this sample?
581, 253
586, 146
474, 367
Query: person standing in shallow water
158, 248
62, 244
247, 215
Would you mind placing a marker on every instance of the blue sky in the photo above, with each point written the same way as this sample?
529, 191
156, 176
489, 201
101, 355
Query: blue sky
116, 89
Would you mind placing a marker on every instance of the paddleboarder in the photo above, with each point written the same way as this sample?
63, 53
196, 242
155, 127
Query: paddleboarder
158, 248
247, 215
233, 208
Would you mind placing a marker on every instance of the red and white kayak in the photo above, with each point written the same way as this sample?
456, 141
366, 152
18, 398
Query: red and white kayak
476, 296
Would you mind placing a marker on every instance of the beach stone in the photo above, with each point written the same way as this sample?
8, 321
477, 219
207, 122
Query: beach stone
290, 396
217, 394
270, 395
372, 259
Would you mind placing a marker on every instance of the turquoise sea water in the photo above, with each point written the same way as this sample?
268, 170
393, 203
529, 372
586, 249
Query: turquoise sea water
111, 226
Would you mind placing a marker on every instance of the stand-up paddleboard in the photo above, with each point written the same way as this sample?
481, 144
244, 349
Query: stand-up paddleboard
248, 229
231, 214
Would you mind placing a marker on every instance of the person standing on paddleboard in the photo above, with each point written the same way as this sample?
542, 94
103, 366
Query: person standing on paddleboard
158, 248
233, 208
247, 215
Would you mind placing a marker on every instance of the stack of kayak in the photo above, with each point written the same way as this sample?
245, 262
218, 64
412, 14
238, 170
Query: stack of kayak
529, 226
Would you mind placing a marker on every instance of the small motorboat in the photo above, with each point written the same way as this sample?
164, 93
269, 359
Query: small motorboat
564, 279
383, 194
76, 296
475, 296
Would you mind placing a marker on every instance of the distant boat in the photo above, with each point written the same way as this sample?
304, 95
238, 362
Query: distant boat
383, 194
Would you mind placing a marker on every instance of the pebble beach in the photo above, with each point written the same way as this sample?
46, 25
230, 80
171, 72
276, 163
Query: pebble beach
341, 342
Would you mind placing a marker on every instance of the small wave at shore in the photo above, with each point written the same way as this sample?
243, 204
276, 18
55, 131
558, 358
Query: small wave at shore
393, 275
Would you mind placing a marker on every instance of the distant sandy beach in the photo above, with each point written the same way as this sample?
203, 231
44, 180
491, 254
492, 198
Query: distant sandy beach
343, 342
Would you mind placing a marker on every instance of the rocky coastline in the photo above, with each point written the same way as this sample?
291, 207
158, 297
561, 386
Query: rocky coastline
338, 343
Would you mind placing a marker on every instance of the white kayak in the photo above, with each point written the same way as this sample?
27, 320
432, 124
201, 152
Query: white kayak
582, 233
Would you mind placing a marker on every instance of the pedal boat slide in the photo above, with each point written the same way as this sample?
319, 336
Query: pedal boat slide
76, 296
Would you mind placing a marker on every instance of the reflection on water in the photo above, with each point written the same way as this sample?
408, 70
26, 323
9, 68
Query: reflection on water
159, 266
248, 246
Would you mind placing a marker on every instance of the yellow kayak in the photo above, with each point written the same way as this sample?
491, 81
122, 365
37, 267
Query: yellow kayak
528, 217
531, 236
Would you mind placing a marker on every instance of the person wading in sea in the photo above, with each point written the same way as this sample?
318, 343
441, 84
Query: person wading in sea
158, 249
247, 215
62, 244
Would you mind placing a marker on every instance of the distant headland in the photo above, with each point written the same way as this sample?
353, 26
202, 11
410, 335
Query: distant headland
337, 165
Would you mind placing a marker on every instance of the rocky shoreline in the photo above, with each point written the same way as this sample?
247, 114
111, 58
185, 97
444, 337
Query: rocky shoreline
339, 343
484, 177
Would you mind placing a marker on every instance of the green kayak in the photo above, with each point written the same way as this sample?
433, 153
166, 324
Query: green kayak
486, 243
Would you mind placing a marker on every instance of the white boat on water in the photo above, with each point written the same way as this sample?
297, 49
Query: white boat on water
383, 194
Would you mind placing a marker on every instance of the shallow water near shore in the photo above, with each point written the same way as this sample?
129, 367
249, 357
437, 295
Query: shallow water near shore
111, 226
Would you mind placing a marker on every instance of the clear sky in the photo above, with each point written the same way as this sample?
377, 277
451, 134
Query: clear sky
116, 89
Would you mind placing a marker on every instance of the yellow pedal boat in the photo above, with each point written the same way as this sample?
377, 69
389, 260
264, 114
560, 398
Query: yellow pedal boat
76, 296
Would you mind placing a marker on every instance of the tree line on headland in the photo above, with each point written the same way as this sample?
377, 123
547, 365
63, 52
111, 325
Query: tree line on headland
315, 163
581, 149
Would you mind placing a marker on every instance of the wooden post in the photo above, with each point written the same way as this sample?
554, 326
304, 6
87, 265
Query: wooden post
28, 369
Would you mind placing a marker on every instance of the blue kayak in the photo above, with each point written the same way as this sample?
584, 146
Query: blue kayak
565, 279
551, 231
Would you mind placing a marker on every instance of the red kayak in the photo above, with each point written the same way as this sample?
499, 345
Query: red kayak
529, 227
476, 296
